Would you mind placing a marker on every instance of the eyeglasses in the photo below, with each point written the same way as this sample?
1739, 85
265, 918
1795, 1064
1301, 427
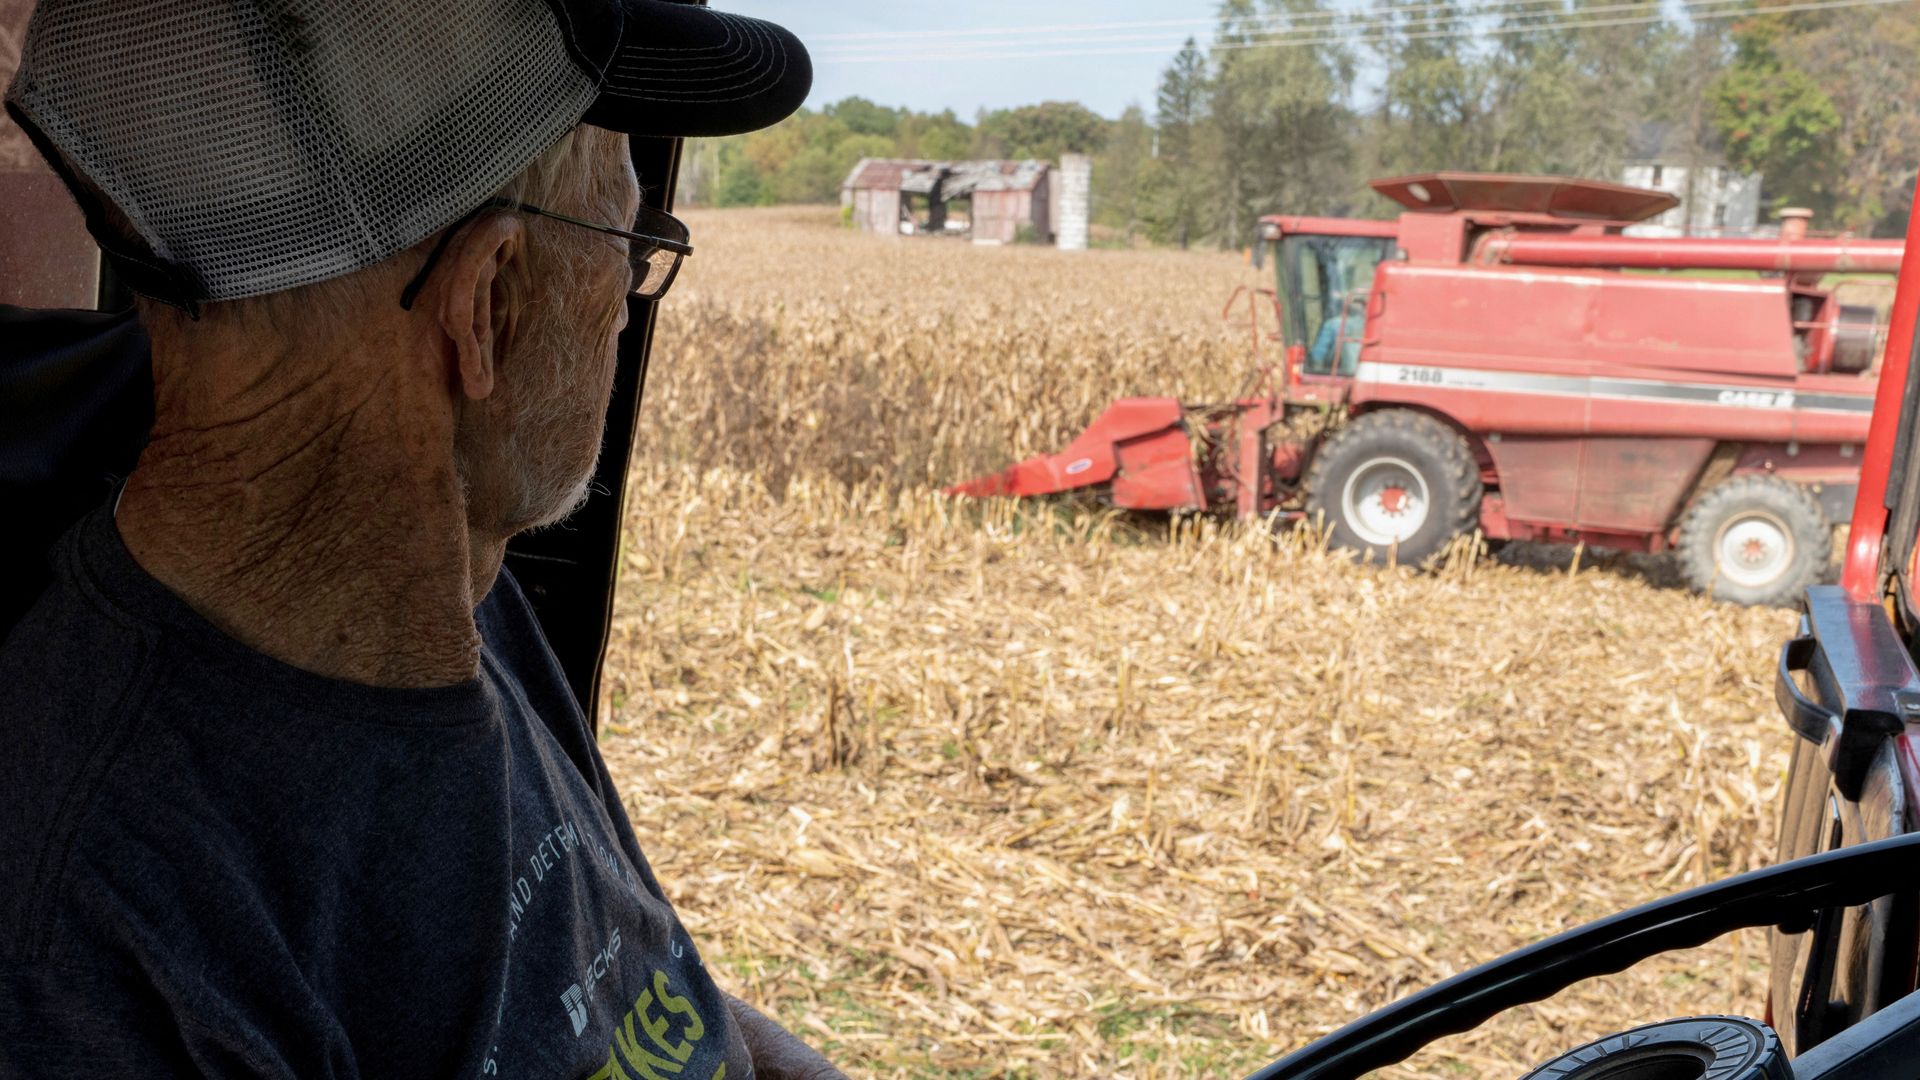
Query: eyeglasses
655, 245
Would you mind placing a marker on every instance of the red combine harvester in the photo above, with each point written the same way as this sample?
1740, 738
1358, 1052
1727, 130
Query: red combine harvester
1502, 357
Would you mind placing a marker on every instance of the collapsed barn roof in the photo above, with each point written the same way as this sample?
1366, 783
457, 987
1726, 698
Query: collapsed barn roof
951, 179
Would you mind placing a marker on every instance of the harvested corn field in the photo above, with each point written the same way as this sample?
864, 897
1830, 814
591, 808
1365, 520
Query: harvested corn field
964, 790
795, 348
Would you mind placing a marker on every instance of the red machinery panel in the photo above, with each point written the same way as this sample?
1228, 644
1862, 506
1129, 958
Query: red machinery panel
1559, 196
1127, 436
1539, 478
1157, 473
1606, 485
1560, 320
1433, 238
1822, 256
1634, 484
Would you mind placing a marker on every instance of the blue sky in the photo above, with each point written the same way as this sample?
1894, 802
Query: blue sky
995, 54
1106, 84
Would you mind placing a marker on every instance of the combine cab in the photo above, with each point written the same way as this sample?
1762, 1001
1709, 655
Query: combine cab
1503, 358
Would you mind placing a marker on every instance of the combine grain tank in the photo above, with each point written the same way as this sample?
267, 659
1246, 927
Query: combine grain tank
1503, 358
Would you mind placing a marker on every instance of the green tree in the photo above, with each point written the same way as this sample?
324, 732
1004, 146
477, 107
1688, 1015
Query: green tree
1433, 106
771, 149
1820, 103
1173, 196
1618, 69
1680, 127
738, 182
1043, 131
1550, 89
938, 136
863, 117
1775, 117
817, 171
1121, 174
1866, 60
1279, 122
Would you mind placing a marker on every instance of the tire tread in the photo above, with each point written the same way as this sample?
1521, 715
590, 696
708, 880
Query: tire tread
1460, 489
1812, 535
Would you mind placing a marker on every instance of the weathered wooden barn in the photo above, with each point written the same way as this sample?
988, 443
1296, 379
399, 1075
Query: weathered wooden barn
873, 192
989, 201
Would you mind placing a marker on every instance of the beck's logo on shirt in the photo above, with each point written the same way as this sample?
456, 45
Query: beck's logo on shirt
576, 997
576, 1003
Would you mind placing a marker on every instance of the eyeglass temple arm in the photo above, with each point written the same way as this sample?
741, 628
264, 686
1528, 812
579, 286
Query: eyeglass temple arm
419, 282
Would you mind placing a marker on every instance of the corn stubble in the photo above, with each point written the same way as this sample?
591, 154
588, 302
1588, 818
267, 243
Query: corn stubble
1039, 790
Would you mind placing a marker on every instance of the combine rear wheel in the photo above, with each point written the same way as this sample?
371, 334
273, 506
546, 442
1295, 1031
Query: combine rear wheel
1755, 540
1395, 481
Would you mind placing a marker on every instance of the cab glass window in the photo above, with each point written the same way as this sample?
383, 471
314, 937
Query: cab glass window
1325, 280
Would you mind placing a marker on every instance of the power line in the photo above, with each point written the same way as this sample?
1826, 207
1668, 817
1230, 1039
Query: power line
1003, 30
1288, 39
885, 39
1691, 7
1361, 30
1394, 20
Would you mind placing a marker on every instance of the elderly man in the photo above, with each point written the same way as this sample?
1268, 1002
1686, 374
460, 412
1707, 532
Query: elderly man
292, 785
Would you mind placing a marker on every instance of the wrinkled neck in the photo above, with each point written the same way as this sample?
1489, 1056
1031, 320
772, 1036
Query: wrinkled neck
309, 506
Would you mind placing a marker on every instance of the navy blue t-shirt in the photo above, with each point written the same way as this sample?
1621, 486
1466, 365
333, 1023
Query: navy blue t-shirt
215, 864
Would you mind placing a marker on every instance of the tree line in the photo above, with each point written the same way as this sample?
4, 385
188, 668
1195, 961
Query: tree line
1294, 105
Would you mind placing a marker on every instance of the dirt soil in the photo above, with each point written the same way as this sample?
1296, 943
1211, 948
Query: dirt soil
965, 790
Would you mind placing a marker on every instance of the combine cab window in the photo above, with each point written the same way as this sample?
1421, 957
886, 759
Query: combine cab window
1321, 278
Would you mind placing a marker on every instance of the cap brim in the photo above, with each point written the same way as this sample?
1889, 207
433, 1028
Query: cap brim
681, 69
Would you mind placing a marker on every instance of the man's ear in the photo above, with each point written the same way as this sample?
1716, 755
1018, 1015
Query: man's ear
472, 298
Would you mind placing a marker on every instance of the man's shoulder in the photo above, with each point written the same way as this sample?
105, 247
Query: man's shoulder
68, 668
68, 645
73, 649
72, 675
91, 699
71, 671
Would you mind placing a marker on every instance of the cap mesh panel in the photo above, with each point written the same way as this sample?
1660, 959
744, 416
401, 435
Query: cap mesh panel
269, 144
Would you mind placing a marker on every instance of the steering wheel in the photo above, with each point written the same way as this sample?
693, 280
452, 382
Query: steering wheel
1789, 896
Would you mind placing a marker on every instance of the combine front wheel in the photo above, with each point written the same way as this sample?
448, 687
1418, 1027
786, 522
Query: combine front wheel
1395, 481
1755, 540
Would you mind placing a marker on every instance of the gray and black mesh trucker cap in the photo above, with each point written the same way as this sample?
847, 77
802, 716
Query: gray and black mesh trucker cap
258, 145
